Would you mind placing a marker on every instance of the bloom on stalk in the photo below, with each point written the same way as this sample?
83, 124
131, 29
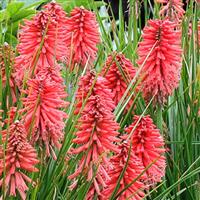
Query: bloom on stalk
90, 86
43, 118
172, 9
41, 41
96, 134
119, 72
148, 146
133, 170
160, 59
82, 36
11, 115
19, 155
198, 29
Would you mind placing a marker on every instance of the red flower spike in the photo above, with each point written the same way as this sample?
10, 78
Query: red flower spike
148, 145
19, 155
43, 118
47, 28
99, 182
54, 74
86, 86
119, 72
96, 133
161, 69
199, 33
133, 170
83, 36
11, 115
172, 9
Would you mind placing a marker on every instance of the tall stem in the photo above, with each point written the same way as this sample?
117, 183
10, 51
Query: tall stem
159, 118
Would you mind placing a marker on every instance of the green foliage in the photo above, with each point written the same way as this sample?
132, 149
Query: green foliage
10, 18
68, 5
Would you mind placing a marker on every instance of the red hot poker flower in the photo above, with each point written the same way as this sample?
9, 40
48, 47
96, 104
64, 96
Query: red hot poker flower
119, 72
41, 36
148, 145
90, 86
43, 119
11, 115
54, 74
161, 69
19, 155
173, 9
96, 133
199, 33
133, 170
83, 36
